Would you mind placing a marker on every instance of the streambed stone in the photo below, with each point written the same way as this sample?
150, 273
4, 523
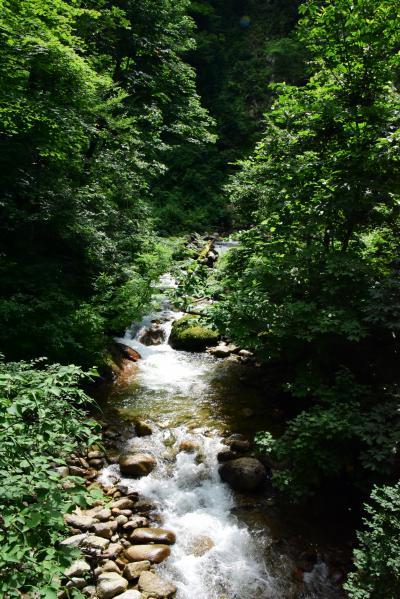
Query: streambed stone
110, 584
137, 465
105, 529
129, 595
152, 535
155, 553
243, 474
152, 585
79, 521
133, 570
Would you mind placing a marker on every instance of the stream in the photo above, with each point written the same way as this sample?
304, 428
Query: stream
226, 547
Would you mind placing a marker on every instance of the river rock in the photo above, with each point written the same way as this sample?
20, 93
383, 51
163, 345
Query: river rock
113, 551
123, 504
223, 350
133, 571
110, 584
129, 595
153, 585
74, 541
137, 464
154, 335
153, 553
188, 446
128, 352
239, 445
79, 521
227, 454
201, 545
95, 543
103, 515
136, 522
110, 566
243, 474
76, 583
77, 569
143, 429
89, 591
105, 529
152, 535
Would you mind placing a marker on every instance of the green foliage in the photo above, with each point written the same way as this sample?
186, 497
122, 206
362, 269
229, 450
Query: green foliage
97, 104
377, 561
42, 421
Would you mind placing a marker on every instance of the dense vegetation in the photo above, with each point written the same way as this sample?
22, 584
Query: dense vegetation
120, 125
314, 285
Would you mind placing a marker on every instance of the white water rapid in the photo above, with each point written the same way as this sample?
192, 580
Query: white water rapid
216, 556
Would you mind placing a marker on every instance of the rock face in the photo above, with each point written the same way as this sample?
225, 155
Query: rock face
153, 553
190, 334
110, 584
243, 474
152, 535
137, 464
153, 585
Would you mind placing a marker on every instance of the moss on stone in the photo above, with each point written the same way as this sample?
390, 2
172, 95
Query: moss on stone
190, 334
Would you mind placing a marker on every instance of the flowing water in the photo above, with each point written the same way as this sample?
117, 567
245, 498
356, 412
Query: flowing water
223, 550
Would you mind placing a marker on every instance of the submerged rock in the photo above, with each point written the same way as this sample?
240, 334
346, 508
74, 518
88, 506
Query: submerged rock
153, 585
153, 553
243, 474
137, 464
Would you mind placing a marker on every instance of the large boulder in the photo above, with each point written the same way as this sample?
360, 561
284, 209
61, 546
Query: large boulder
189, 333
136, 464
153, 553
152, 535
243, 474
152, 585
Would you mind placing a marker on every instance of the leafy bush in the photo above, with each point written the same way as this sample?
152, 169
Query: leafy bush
377, 559
42, 421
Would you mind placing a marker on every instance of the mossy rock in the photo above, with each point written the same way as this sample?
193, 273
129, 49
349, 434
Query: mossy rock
191, 334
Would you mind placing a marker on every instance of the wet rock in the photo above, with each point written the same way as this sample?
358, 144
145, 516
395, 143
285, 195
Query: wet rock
136, 522
239, 445
77, 471
190, 334
105, 529
244, 353
201, 545
133, 570
153, 585
137, 465
188, 446
226, 454
143, 429
96, 464
116, 512
152, 553
128, 352
144, 507
89, 591
110, 584
154, 335
95, 455
123, 504
152, 535
243, 474
112, 456
74, 541
95, 543
77, 569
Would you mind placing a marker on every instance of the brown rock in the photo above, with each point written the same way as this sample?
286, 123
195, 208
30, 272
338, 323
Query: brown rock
133, 570
143, 429
137, 465
152, 535
136, 522
243, 474
227, 454
188, 446
123, 504
152, 553
153, 585
239, 445
105, 529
